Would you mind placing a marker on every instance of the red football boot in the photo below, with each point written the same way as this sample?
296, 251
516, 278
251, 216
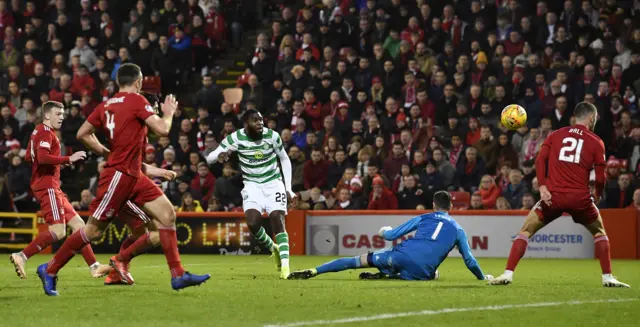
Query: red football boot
114, 279
122, 269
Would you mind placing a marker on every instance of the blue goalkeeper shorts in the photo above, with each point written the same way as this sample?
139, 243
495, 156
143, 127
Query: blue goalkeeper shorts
398, 265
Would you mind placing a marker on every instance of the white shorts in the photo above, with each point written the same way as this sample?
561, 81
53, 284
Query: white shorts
267, 197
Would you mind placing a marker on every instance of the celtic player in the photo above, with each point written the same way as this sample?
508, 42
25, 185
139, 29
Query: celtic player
259, 149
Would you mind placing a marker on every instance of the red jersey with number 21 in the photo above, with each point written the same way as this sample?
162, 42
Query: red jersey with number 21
121, 119
573, 153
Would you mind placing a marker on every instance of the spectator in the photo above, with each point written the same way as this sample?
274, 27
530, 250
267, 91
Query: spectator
315, 171
487, 147
411, 195
227, 188
381, 198
528, 201
85, 201
515, 190
489, 192
336, 169
70, 127
502, 204
444, 166
636, 200
469, 171
393, 164
189, 204
343, 202
620, 195
87, 56
19, 178
476, 202
209, 96
297, 167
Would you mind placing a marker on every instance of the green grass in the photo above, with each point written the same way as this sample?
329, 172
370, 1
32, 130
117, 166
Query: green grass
246, 291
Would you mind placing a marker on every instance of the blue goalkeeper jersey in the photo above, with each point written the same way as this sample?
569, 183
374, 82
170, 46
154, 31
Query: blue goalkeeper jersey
436, 235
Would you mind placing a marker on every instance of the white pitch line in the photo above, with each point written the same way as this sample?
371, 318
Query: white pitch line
443, 311
134, 266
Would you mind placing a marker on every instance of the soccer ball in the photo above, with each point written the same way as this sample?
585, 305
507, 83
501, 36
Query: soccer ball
513, 116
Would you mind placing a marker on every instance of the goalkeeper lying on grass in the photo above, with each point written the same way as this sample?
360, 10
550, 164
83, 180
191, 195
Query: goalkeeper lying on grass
417, 258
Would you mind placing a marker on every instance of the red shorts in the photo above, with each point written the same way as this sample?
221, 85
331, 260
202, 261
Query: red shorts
114, 189
133, 216
580, 207
144, 191
54, 206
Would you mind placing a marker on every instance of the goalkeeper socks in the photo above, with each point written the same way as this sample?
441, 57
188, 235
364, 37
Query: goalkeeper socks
141, 245
40, 243
73, 244
265, 240
603, 254
339, 265
283, 248
169, 243
518, 248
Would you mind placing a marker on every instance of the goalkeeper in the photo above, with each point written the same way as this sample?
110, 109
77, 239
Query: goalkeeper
417, 258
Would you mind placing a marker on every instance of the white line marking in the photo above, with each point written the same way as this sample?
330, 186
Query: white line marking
442, 311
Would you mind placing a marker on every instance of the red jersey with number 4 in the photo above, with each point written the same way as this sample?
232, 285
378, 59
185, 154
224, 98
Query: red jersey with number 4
44, 154
573, 153
121, 119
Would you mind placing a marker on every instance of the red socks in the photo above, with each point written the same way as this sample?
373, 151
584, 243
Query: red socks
602, 253
73, 244
38, 244
518, 248
87, 254
169, 242
138, 247
126, 243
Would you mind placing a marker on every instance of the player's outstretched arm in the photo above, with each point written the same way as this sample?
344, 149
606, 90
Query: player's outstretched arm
87, 137
223, 150
469, 260
153, 172
391, 234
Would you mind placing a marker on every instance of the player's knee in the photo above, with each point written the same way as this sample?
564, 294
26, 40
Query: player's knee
167, 218
59, 231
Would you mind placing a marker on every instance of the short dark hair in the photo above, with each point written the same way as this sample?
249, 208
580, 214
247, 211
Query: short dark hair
128, 74
442, 200
47, 106
316, 149
583, 109
397, 142
247, 114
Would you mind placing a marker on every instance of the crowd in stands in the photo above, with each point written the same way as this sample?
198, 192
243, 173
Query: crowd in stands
379, 103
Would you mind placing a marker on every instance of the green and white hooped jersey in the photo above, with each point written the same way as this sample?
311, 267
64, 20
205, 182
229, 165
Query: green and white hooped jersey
258, 160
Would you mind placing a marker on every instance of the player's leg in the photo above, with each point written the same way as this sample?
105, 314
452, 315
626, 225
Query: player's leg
164, 216
534, 222
282, 239
275, 204
357, 262
96, 269
50, 211
104, 207
596, 227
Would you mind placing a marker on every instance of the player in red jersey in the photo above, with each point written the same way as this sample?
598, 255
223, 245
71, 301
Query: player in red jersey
44, 153
124, 118
563, 167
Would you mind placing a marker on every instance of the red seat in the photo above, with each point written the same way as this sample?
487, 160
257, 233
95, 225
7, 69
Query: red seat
152, 84
460, 200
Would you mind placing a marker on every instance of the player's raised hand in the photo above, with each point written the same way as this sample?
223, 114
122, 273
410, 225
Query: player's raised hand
168, 174
80, 155
170, 105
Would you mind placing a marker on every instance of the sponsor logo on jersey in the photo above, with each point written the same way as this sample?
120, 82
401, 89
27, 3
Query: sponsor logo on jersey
44, 144
258, 155
114, 100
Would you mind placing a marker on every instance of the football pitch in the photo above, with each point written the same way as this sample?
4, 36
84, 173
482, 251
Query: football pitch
246, 291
